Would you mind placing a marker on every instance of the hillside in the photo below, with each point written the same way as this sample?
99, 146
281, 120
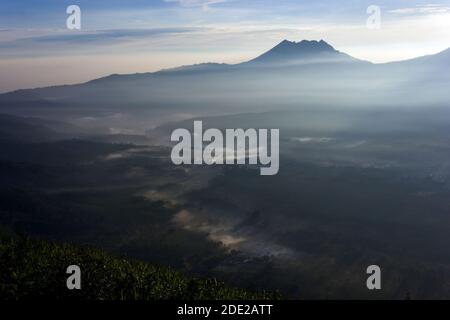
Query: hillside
36, 269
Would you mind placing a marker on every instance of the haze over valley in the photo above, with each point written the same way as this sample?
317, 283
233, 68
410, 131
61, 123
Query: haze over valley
364, 171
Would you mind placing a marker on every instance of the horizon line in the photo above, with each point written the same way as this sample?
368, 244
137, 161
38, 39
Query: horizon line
221, 63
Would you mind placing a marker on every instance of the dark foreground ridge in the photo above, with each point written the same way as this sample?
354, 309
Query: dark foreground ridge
37, 269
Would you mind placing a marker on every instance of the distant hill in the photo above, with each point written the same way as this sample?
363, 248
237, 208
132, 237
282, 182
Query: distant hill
25, 129
290, 75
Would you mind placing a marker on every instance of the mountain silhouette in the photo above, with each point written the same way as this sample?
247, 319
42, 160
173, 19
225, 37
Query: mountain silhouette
289, 52
289, 75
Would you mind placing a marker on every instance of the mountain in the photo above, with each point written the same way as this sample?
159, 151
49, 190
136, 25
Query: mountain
289, 52
289, 76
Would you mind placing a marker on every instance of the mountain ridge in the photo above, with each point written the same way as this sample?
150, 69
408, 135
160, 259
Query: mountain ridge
311, 47
304, 71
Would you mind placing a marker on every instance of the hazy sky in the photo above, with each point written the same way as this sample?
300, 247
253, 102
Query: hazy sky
36, 48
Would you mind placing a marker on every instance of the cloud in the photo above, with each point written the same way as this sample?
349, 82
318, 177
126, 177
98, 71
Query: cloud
196, 3
423, 9
102, 35
64, 41
216, 231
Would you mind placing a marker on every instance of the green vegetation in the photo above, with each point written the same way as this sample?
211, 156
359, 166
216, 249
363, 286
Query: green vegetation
36, 269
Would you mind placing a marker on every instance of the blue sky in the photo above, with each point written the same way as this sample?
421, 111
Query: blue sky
138, 36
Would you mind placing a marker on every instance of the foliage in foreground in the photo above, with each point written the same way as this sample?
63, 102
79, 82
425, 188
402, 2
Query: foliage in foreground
37, 269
